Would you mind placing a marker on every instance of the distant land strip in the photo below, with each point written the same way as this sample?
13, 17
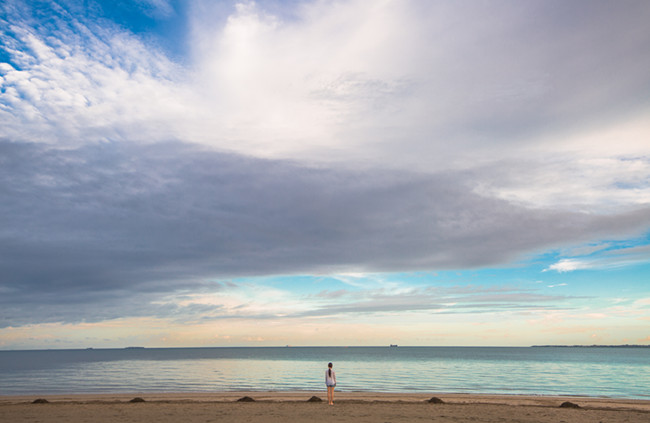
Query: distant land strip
593, 346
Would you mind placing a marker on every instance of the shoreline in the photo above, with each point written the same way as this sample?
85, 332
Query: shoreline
355, 397
349, 407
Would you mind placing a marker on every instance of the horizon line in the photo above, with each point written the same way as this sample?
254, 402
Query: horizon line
334, 346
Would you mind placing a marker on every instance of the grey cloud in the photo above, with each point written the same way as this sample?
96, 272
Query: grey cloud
88, 228
436, 300
333, 294
450, 300
499, 75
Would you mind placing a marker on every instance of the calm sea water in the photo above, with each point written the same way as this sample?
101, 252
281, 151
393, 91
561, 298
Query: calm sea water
602, 372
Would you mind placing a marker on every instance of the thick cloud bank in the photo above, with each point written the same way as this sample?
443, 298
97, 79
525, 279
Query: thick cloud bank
105, 223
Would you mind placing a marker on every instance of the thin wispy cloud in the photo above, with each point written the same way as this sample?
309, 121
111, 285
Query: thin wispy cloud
569, 265
607, 256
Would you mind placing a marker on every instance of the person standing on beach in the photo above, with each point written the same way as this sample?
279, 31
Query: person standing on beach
330, 382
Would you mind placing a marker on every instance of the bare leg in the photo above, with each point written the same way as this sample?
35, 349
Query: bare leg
330, 395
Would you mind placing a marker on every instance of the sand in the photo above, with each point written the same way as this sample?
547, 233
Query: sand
270, 407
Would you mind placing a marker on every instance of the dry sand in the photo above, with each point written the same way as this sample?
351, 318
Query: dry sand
270, 407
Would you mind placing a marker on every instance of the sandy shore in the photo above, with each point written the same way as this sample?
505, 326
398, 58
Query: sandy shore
272, 407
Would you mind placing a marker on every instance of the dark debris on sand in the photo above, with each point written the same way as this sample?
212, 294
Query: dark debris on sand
245, 399
568, 404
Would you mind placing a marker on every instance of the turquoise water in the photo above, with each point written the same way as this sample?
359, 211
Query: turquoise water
602, 372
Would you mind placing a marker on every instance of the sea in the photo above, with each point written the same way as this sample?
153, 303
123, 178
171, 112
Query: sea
622, 372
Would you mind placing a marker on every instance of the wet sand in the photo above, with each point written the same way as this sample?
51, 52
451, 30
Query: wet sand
270, 407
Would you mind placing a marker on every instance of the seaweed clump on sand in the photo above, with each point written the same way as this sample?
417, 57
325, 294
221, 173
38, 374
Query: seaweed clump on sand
568, 404
435, 400
40, 401
314, 399
245, 399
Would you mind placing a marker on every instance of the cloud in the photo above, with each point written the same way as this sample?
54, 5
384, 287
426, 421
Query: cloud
383, 81
591, 182
104, 223
568, 265
261, 302
534, 112
348, 82
606, 256
436, 301
156, 8
73, 81
309, 138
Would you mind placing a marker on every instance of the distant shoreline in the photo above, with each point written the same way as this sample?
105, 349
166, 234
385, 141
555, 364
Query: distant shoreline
592, 346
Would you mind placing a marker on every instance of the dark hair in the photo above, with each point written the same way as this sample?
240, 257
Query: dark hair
330, 369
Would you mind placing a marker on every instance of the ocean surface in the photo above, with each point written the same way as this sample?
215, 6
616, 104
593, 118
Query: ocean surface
593, 371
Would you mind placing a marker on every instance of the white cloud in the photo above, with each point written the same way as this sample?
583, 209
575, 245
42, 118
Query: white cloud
88, 85
312, 86
393, 84
389, 84
605, 256
610, 173
568, 265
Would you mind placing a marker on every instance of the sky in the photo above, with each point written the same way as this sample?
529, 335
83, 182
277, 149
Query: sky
197, 173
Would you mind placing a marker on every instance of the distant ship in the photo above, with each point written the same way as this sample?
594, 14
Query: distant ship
393, 345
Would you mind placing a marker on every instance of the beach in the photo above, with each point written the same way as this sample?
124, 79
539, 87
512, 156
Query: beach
272, 407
